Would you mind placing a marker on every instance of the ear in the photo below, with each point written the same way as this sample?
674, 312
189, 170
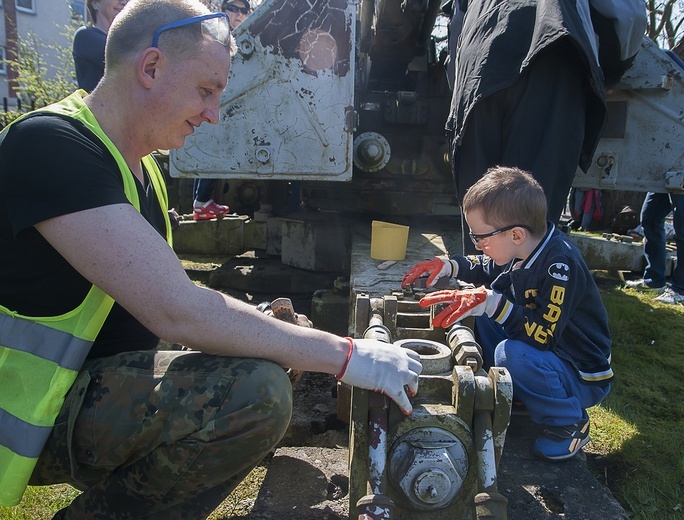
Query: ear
149, 65
519, 235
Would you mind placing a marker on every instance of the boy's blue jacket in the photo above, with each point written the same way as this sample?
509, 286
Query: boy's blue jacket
550, 302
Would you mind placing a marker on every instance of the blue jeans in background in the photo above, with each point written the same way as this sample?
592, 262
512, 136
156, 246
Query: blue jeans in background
656, 207
203, 189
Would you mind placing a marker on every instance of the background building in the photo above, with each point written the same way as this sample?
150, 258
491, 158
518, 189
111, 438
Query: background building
48, 21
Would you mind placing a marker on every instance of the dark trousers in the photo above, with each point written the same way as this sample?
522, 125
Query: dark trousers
653, 212
203, 189
547, 385
537, 125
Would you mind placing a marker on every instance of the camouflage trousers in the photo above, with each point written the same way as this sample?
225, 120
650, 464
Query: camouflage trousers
163, 434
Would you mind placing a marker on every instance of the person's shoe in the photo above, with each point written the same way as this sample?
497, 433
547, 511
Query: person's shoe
561, 442
671, 297
642, 286
208, 210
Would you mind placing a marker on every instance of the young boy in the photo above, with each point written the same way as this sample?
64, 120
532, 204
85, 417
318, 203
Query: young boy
538, 310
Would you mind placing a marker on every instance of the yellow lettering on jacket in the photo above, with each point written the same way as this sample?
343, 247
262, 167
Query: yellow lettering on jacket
540, 334
530, 295
553, 313
557, 295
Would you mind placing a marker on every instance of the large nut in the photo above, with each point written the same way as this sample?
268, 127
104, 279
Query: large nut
429, 466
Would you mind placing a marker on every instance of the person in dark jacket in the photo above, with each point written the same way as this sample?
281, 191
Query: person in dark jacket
538, 310
529, 81
89, 42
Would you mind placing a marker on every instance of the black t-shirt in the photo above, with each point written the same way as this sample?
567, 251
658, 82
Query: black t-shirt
52, 166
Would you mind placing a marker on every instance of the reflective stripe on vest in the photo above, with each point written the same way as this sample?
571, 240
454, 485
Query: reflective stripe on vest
40, 356
26, 438
59, 347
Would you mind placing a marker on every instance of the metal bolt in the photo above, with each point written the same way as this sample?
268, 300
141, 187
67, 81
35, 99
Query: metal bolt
246, 47
372, 151
263, 154
604, 161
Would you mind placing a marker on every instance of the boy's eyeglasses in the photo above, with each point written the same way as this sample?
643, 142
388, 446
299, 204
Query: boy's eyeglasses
236, 9
213, 25
477, 238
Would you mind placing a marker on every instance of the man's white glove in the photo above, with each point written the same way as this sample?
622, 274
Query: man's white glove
435, 269
382, 367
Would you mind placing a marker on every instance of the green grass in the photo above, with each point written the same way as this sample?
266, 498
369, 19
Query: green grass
637, 446
639, 428
40, 503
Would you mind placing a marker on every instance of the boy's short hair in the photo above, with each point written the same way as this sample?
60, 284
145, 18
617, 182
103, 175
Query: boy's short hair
507, 196
133, 29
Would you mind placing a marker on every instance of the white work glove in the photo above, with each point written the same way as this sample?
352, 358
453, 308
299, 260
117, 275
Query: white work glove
461, 304
382, 367
435, 269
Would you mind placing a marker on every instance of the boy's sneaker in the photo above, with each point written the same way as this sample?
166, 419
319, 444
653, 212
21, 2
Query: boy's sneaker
208, 210
561, 442
641, 285
671, 297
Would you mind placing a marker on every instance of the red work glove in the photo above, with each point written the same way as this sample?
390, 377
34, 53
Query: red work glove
464, 303
435, 268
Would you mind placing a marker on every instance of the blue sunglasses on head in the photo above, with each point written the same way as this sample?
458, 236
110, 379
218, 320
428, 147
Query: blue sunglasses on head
213, 25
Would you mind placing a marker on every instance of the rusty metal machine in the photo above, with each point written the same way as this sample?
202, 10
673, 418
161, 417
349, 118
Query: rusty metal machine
349, 99
341, 105
440, 462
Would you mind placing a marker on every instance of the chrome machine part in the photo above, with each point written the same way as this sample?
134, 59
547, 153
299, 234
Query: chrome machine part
377, 505
465, 349
429, 465
371, 152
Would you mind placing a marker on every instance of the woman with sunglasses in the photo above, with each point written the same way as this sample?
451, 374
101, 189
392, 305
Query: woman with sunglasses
237, 11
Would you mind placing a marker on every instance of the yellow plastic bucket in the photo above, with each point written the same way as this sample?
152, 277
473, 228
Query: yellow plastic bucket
388, 241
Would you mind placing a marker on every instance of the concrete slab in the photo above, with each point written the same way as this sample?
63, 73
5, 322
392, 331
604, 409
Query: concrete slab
315, 242
603, 254
304, 483
268, 275
216, 237
311, 483
377, 278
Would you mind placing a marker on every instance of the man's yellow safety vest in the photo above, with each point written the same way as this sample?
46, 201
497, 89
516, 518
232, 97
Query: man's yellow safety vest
40, 356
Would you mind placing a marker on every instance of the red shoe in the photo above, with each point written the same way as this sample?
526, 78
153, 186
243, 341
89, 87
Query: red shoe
209, 210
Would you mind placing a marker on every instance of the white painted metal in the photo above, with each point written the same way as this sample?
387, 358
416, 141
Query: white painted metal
284, 114
650, 156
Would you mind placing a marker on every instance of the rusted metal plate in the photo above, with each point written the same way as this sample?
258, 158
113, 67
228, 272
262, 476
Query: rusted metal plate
641, 148
284, 113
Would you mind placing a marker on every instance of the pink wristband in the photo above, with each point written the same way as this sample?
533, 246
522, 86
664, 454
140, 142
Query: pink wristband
349, 355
